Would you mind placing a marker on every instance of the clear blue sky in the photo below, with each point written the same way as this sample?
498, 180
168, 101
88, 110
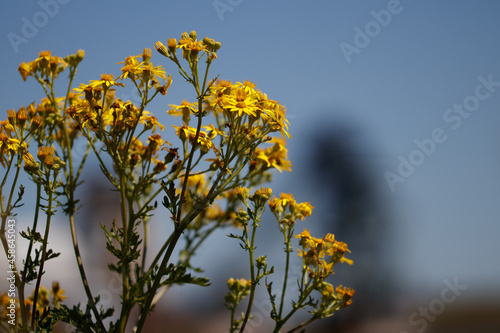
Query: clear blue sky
397, 87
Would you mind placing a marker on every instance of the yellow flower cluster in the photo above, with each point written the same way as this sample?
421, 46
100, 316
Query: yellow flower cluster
332, 299
239, 285
204, 140
14, 131
45, 299
320, 254
46, 65
238, 289
234, 101
286, 201
143, 72
345, 294
233, 123
190, 46
46, 156
275, 156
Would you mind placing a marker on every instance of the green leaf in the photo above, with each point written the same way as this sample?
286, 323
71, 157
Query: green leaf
177, 275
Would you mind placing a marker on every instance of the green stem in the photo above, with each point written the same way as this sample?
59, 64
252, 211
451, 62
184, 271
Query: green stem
83, 276
147, 305
125, 269
232, 328
287, 233
28, 261
50, 190
305, 323
297, 306
251, 250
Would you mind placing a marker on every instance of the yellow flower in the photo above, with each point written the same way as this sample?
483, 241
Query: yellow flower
212, 131
46, 155
57, 293
247, 86
304, 209
152, 122
242, 193
274, 116
151, 72
264, 192
132, 67
278, 205
164, 88
241, 285
6, 127
106, 81
29, 162
345, 294
242, 103
190, 46
204, 141
184, 131
183, 110
275, 156
25, 69
172, 44
8, 143
45, 65
327, 291
43, 57
304, 237
155, 142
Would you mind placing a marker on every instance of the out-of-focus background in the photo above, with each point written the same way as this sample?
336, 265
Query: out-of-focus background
394, 111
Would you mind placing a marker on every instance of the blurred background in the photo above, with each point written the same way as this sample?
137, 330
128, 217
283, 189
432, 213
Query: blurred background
394, 111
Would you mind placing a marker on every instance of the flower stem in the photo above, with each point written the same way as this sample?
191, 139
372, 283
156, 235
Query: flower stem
251, 249
49, 212
287, 233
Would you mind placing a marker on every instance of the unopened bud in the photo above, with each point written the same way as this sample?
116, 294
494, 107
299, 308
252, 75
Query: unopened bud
36, 121
79, 55
162, 49
146, 55
22, 115
11, 115
242, 193
172, 44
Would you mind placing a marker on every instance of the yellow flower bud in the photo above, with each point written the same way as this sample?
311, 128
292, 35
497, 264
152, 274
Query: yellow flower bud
11, 115
79, 55
242, 193
162, 49
172, 44
22, 116
36, 121
146, 55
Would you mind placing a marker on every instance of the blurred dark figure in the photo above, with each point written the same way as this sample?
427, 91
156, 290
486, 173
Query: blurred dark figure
344, 178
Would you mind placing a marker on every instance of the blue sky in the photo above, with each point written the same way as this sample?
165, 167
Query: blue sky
396, 89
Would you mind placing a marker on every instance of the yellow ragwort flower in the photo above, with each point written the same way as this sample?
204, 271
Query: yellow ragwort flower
106, 81
243, 103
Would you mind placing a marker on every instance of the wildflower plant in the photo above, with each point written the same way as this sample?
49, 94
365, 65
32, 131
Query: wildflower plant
228, 142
